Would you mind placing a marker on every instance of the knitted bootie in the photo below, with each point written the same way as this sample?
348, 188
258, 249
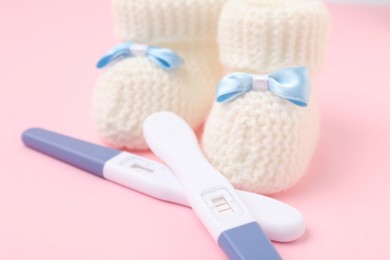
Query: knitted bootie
261, 141
134, 87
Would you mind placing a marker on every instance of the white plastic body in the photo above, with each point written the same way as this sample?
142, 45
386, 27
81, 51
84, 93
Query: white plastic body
146, 176
209, 193
279, 221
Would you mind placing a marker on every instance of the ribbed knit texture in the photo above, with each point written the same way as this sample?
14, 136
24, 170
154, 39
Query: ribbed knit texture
268, 34
260, 141
167, 20
131, 89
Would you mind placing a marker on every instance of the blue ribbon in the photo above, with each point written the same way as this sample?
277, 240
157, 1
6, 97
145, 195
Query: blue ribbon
291, 84
164, 58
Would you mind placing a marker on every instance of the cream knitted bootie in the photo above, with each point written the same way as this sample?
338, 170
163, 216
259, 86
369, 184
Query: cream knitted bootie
132, 88
261, 142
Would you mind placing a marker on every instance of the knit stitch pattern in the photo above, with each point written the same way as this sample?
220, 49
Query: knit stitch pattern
167, 20
260, 141
269, 34
131, 89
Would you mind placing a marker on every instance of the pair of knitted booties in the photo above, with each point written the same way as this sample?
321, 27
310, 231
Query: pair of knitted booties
259, 140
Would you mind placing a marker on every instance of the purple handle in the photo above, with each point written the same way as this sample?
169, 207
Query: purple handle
84, 155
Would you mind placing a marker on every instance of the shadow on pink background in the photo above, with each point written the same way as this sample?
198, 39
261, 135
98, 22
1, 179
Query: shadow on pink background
49, 210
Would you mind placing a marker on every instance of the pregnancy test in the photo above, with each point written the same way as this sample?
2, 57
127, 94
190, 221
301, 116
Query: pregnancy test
208, 192
280, 221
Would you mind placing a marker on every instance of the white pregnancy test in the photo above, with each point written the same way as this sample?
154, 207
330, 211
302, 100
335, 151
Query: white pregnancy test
209, 193
280, 221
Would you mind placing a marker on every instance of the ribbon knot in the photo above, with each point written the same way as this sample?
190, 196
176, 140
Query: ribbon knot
164, 58
291, 84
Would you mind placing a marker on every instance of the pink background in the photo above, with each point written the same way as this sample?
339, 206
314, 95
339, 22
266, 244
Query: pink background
49, 210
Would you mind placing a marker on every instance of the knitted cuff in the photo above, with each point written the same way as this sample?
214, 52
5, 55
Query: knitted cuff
264, 35
167, 20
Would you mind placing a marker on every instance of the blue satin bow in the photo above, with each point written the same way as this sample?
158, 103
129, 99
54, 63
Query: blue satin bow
164, 58
291, 84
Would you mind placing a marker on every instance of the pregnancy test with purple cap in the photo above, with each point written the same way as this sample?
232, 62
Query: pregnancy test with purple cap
280, 221
209, 193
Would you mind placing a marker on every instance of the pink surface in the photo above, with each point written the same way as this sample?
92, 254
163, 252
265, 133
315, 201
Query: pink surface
49, 210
